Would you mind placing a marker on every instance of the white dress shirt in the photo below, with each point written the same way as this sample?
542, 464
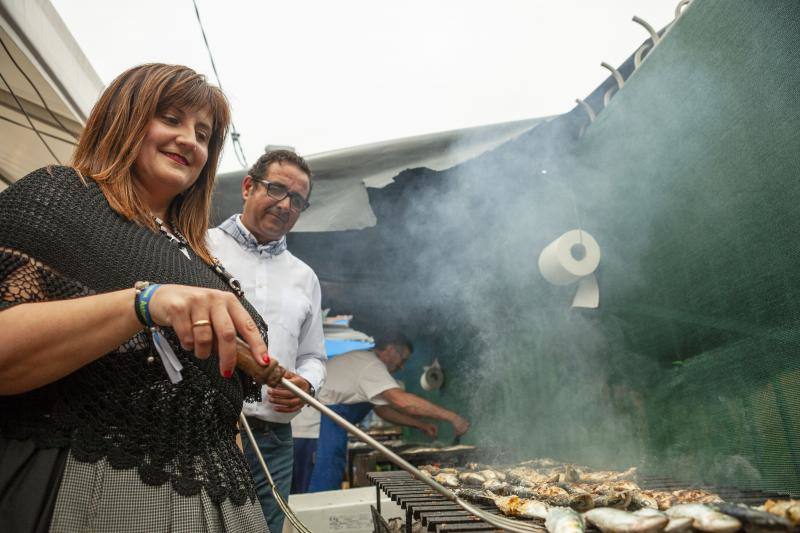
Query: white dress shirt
353, 377
286, 292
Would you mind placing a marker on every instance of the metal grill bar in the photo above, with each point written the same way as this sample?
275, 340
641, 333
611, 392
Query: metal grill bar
435, 512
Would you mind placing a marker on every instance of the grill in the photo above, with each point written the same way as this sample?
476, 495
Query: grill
363, 460
437, 514
421, 503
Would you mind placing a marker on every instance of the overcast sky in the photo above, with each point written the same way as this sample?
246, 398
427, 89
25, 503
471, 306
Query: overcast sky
322, 74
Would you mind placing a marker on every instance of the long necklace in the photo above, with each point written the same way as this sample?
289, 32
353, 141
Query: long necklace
174, 236
177, 238
171, 363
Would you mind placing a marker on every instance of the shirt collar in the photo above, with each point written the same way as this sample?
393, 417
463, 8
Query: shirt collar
233, 226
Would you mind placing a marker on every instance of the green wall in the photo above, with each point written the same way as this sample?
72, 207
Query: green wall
689, 182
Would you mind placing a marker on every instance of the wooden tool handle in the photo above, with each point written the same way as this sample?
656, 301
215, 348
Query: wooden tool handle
264, 375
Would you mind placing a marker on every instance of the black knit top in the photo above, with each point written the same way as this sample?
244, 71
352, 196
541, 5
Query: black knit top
59, 239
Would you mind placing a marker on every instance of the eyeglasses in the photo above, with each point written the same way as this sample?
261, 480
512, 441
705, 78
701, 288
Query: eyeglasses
278, 191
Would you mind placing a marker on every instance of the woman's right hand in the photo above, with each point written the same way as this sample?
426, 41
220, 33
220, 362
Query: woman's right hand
221, 317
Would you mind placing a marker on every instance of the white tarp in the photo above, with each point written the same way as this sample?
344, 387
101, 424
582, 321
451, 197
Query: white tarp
339, 199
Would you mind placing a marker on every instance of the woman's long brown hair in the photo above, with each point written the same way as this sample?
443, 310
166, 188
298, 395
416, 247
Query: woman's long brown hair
113, 136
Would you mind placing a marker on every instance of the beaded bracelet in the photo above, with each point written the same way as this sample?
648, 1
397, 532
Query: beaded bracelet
144, 292
172, 365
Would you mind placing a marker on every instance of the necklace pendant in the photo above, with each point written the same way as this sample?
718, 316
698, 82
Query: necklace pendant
232, 282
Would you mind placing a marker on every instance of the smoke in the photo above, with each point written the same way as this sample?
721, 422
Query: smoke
535, 377
662, 375
688, 182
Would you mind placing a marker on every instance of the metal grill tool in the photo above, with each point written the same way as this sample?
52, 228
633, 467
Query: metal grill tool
245, 361
295, 521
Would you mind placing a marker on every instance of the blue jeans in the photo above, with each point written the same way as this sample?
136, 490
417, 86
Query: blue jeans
275, 443
329, 468
305, 451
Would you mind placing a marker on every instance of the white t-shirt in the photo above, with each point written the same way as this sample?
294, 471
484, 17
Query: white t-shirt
353, 377
286, 292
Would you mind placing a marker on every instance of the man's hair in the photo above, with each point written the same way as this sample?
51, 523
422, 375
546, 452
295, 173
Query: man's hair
260, 167
393, 338
113, 135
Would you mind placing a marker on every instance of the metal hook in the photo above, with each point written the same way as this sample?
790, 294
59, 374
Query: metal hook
637, 56
653, 34
586, 107
679, 8
614, 72
607, 95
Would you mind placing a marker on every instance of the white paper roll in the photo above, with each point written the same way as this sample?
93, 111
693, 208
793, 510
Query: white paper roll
571, 258
588, 293
433, 377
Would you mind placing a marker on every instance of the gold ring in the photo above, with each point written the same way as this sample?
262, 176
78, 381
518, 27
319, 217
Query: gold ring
201, 323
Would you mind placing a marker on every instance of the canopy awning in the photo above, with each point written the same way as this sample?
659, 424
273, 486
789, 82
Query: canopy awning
339, 199
45, 76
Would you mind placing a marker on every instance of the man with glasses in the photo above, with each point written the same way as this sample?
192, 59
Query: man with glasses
252, 246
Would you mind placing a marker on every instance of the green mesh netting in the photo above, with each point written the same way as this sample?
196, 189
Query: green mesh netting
699, 161
689, 181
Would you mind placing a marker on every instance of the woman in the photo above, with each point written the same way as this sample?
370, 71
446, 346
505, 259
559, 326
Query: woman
105, 424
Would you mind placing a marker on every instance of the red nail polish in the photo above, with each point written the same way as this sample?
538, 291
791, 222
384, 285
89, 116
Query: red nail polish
265, 358
228, 373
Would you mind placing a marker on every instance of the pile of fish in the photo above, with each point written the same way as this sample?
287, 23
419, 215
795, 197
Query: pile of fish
567, 498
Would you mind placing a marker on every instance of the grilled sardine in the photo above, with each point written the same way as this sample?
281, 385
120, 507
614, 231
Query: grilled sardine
579, 499
695, 496
564, 520
675, 525
524, 475
447, 479
704, 518
618, 500
549, 494
789, 509
496, 486
525, 508
610, 520
754, 520
472, 479
642, 500
475, 495
664, 499
568, 474
488, 474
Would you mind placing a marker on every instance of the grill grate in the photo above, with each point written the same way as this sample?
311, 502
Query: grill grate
437, 514
420, 502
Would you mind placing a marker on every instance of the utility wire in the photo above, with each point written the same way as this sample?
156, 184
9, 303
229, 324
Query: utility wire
237, 145
36, 90
33, 126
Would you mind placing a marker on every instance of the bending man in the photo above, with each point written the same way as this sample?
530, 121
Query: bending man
358, 381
